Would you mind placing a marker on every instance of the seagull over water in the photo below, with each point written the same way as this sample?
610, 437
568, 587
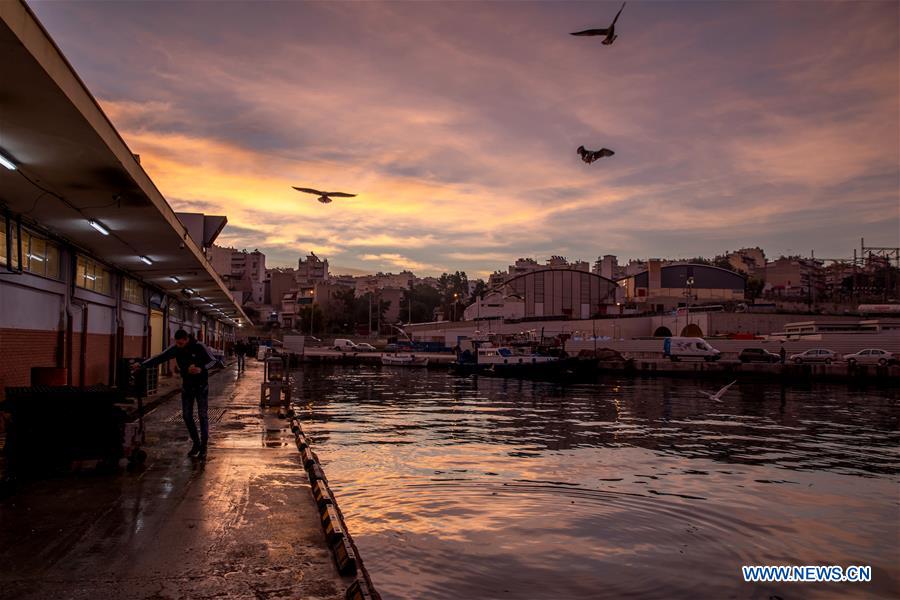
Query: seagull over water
718, 395
324, 197
609, 32
590, 156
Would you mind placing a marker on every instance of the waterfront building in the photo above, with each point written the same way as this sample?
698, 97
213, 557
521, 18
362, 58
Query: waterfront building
95, 266
278, 282
562, 293
312, 270
244, 272
794, 276
747, 260
606, 266
663, 287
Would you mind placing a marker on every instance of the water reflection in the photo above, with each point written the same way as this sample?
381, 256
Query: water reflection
489, 488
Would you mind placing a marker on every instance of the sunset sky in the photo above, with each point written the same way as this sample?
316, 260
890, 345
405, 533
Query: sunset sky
734, 124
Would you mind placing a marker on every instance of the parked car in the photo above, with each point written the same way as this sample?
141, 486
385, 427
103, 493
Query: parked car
365, 347
342, 345
748, 355
677, 348
872, 356
815, 355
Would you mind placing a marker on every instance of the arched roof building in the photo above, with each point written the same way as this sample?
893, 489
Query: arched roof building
673, 285
549, 293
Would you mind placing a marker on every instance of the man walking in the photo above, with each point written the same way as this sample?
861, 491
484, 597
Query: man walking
194, 361
240, 351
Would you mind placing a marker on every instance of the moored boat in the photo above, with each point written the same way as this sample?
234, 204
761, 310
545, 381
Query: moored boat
404, 360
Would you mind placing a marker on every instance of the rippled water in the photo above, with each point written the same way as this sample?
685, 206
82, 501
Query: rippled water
630, 488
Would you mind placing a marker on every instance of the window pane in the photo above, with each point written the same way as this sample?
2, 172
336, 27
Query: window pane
52, 261
81, 273
36, 258
102, 281
14, 255
3, 240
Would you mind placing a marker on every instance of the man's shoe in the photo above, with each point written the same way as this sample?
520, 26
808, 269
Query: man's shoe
195, 450
202, 454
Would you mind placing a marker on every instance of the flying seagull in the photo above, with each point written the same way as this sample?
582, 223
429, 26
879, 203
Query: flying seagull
324, 197
590, 156
610, 32
718, 395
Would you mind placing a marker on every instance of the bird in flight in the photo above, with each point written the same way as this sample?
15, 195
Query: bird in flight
718, 395
324, 197
590, 156
609, 32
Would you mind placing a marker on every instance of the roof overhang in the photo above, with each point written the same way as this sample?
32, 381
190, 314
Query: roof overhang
73, 166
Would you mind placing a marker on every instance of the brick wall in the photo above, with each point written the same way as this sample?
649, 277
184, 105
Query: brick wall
99, 348
21, 349
133, 345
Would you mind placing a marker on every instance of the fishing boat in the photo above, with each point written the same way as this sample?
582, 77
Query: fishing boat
505, 361
404, 360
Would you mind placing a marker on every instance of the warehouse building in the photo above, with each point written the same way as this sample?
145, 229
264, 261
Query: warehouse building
95, 265
554, 293
665, 287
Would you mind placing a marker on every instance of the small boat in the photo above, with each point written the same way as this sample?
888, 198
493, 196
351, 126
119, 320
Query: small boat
404, 360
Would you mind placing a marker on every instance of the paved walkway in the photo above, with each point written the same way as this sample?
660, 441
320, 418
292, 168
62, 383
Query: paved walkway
241, 525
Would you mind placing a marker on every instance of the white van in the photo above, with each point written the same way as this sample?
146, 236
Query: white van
344, 346
677, 348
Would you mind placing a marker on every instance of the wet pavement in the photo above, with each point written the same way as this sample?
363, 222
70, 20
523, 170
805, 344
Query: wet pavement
240, 525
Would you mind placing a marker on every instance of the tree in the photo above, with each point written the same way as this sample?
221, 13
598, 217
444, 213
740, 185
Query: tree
723, 263
424, 300
454, 291
478, 291
754, 287
311, 319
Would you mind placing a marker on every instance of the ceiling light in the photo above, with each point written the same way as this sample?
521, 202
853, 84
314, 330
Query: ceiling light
145, 260
99, 226
174, 279
7, 162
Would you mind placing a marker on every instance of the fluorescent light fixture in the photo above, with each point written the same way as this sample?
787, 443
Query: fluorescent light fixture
36, 257
145, 260
201, 299
174, 279
7, 162
99, 226
90, 277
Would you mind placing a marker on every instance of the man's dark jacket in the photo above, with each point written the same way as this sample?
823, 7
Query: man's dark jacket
194, 353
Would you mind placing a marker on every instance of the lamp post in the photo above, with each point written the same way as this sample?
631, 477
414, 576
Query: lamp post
687, 310
455, 300
312, 312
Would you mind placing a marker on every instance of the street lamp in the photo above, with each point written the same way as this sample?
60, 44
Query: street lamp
312, 311
455, 300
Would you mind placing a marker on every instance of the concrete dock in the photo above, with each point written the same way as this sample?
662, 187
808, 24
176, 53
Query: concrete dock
241, 525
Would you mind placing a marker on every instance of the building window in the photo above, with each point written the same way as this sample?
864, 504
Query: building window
132, 291
39, 255
4, 260
91, 275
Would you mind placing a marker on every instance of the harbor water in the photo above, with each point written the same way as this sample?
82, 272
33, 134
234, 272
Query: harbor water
482, 487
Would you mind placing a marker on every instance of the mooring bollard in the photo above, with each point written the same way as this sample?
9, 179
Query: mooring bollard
344, 556
322, 494
316, 474
359, 591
